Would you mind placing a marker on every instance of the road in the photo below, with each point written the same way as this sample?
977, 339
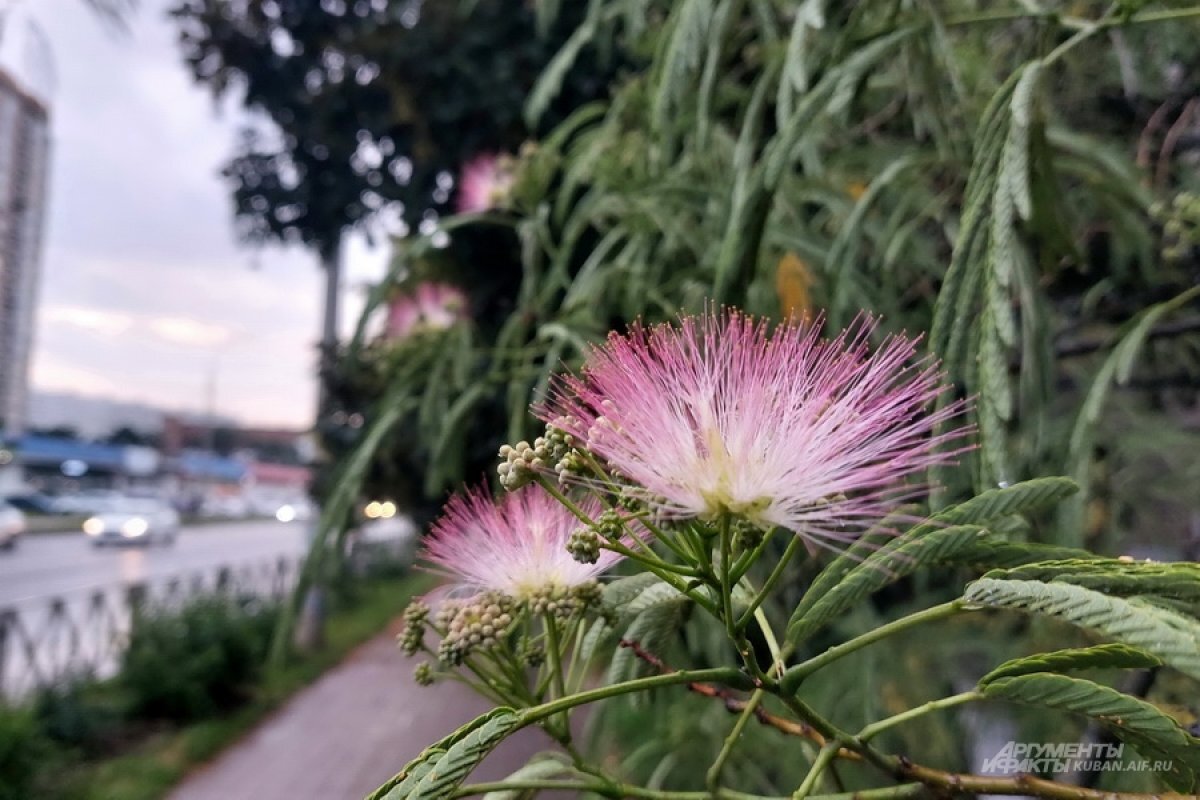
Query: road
66, 565
63, 608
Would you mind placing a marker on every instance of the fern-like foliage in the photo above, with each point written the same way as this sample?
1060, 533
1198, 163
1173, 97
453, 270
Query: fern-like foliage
1164, 633
1131, 720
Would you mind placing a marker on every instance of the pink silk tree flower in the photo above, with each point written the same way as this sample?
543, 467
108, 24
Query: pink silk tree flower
430, 306
484, 183
719, 415
516, 546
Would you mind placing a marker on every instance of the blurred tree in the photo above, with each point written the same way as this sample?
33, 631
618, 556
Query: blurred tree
373, 104
224, 440
125, 435
371, 109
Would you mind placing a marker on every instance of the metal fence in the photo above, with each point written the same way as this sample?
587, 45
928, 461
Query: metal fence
84, 635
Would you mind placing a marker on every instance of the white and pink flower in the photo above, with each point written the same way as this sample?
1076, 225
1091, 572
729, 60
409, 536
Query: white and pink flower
516, 546
719, 414
484, 183
430, 306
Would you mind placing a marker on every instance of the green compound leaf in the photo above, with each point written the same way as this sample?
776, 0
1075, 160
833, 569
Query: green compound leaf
995, 553
1016, 499
624, 600
1102, 656
985, 508
1154, 734
1168, 635
1174, 580
951, 536
1115, 371
898, 558
659, 612
441, 767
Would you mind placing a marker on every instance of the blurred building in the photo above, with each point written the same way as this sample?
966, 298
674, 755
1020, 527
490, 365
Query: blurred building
274, 445
24, 161
59, 466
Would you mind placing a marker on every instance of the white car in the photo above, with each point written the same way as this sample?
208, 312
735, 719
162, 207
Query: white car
134, 522
12, 526
90, 501
225, 507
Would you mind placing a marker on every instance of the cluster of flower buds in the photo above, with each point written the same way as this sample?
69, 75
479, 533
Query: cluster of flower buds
564, 602
557, 447
611, 525
475, 624
416, 616
554, 448
584, 545
531, 654
746, 534
518, 467
1180, 222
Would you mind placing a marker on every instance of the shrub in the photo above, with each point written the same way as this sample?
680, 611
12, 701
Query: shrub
80, 714
22, 750
191, 663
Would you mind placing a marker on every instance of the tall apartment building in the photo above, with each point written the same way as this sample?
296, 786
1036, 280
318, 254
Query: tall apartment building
24, 163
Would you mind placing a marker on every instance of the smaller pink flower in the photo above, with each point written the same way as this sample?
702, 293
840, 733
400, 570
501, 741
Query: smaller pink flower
516, 546
429, 307
484, 183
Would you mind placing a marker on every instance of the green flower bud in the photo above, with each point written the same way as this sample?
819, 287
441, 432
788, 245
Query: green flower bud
584, 546
423, 674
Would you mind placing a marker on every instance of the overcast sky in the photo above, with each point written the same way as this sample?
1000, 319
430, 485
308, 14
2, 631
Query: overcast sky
145, 290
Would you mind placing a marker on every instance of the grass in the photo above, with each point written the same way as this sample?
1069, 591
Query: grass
159, 762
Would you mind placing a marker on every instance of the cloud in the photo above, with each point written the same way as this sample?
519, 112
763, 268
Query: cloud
189, 332
54, 374
146, 292
92, 320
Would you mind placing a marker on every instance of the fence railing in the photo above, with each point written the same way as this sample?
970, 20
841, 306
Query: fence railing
85, 634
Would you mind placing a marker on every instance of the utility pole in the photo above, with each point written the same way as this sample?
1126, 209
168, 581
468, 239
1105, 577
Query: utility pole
310, 627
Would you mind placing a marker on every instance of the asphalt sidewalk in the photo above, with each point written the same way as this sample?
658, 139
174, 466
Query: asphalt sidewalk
346, 734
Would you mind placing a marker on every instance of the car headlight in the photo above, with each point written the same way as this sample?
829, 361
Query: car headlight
93, 526
135, 527
286, 513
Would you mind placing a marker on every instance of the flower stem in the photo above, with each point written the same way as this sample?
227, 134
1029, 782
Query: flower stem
769, 586
794, 676
620, 790
554, 665
726, 544
750, 557
823, 760
729, 676
713, 778
667, 572
567, 502
876, 728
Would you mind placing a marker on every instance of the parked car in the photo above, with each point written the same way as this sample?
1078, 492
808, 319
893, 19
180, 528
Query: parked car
12, 525
35, 503
297, 509
90, 501
134, 522
225, 507
382, 544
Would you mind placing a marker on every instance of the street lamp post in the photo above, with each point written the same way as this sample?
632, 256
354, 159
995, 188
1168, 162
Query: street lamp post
310, 627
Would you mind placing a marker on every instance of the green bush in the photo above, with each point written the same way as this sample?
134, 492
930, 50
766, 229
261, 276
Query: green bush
191, 663
79, 714
22, 751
